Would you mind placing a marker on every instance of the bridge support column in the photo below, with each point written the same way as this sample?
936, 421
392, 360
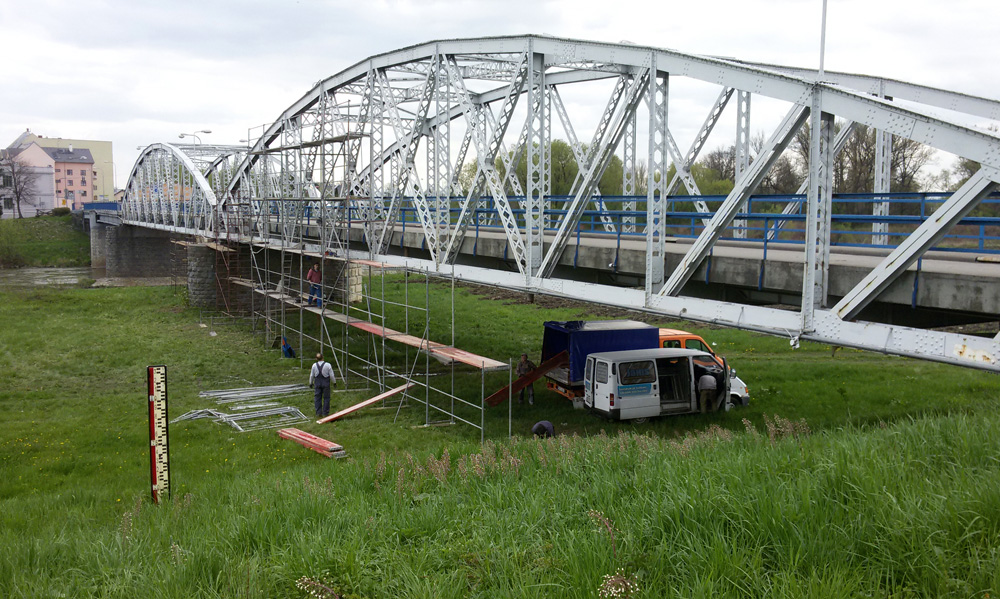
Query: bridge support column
98, 242
201, 276
137, 252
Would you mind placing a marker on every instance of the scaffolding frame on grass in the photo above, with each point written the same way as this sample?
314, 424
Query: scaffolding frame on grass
301, 216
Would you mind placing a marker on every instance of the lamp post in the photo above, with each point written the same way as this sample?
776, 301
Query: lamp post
197, 140
104, 180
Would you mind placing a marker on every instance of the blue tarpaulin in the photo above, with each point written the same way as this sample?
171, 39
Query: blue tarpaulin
582, 337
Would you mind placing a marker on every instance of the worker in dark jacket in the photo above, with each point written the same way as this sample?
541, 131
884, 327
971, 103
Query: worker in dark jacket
524, 367
543, 429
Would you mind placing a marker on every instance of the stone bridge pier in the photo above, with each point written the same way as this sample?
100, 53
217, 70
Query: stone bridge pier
134, 251
210, 269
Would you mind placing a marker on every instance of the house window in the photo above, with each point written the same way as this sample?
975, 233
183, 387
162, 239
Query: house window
8, 203
83, 172
83, 181
69, 183
69, 171
58, 170
83, 193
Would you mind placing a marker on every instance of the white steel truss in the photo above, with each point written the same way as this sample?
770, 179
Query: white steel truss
395, 130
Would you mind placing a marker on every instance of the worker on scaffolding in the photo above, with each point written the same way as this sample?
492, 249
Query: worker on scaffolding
315, 277
523, 368
320, 378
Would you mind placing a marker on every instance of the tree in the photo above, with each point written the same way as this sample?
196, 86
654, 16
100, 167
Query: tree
722, 160
782, 178
963, 171
854, 168
641, 181
18, 179
467, 176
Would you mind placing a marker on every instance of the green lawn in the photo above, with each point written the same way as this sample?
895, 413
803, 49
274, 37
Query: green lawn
861, 475
43, 241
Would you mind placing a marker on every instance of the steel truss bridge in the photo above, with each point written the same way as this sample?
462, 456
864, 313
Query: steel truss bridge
389, 135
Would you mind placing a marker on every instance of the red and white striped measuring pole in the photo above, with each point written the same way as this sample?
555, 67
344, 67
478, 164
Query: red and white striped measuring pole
159, 459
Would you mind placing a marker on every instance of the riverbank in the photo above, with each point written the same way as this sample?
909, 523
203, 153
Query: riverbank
880, 478
45, 241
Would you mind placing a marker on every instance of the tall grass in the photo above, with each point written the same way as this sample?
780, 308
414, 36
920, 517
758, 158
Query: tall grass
855, 489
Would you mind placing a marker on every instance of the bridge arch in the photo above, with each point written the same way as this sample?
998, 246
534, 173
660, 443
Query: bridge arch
166, 190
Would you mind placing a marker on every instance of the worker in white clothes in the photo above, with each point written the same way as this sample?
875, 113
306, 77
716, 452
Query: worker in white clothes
707, 388
320, 378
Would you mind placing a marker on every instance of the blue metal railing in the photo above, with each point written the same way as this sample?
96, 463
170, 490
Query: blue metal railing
101, 206
851, 222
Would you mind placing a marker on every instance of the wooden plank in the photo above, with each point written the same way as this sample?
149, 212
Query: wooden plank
296, 434
365, 403
440, 351
560, 359
319, 445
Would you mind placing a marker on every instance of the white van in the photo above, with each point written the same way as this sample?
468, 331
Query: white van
643, 383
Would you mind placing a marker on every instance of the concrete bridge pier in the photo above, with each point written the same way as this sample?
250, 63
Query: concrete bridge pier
98, 241
136, 251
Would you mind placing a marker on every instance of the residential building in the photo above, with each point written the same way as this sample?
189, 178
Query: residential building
101, 172
39, 167
74, 176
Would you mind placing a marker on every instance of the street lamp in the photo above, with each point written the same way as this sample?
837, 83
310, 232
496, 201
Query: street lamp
197, 140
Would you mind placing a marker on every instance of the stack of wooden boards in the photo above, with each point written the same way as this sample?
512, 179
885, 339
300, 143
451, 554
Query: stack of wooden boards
321, 446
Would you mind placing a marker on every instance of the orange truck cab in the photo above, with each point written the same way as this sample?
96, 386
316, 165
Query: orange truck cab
677, 339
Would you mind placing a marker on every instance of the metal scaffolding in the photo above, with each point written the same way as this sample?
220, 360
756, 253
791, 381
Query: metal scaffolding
301, 217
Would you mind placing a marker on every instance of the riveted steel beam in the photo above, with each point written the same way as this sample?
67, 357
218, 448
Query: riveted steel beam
486, 175
657, 98
815, 279
742, 161
536, 150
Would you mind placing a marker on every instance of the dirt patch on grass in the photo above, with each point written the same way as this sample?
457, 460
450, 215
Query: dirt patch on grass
587, 310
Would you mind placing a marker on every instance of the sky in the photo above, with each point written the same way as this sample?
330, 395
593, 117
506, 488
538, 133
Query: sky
137, 72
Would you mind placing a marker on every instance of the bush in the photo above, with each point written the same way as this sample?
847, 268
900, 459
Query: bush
60, 211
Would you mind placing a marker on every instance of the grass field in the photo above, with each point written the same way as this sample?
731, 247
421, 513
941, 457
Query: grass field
42, 241
850, 474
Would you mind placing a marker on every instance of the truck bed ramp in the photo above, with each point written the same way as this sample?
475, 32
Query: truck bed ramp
560, 359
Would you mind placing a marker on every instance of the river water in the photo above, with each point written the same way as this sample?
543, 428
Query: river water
30, 277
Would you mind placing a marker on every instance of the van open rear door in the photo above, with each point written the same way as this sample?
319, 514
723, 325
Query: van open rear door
588, 383
728, 385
